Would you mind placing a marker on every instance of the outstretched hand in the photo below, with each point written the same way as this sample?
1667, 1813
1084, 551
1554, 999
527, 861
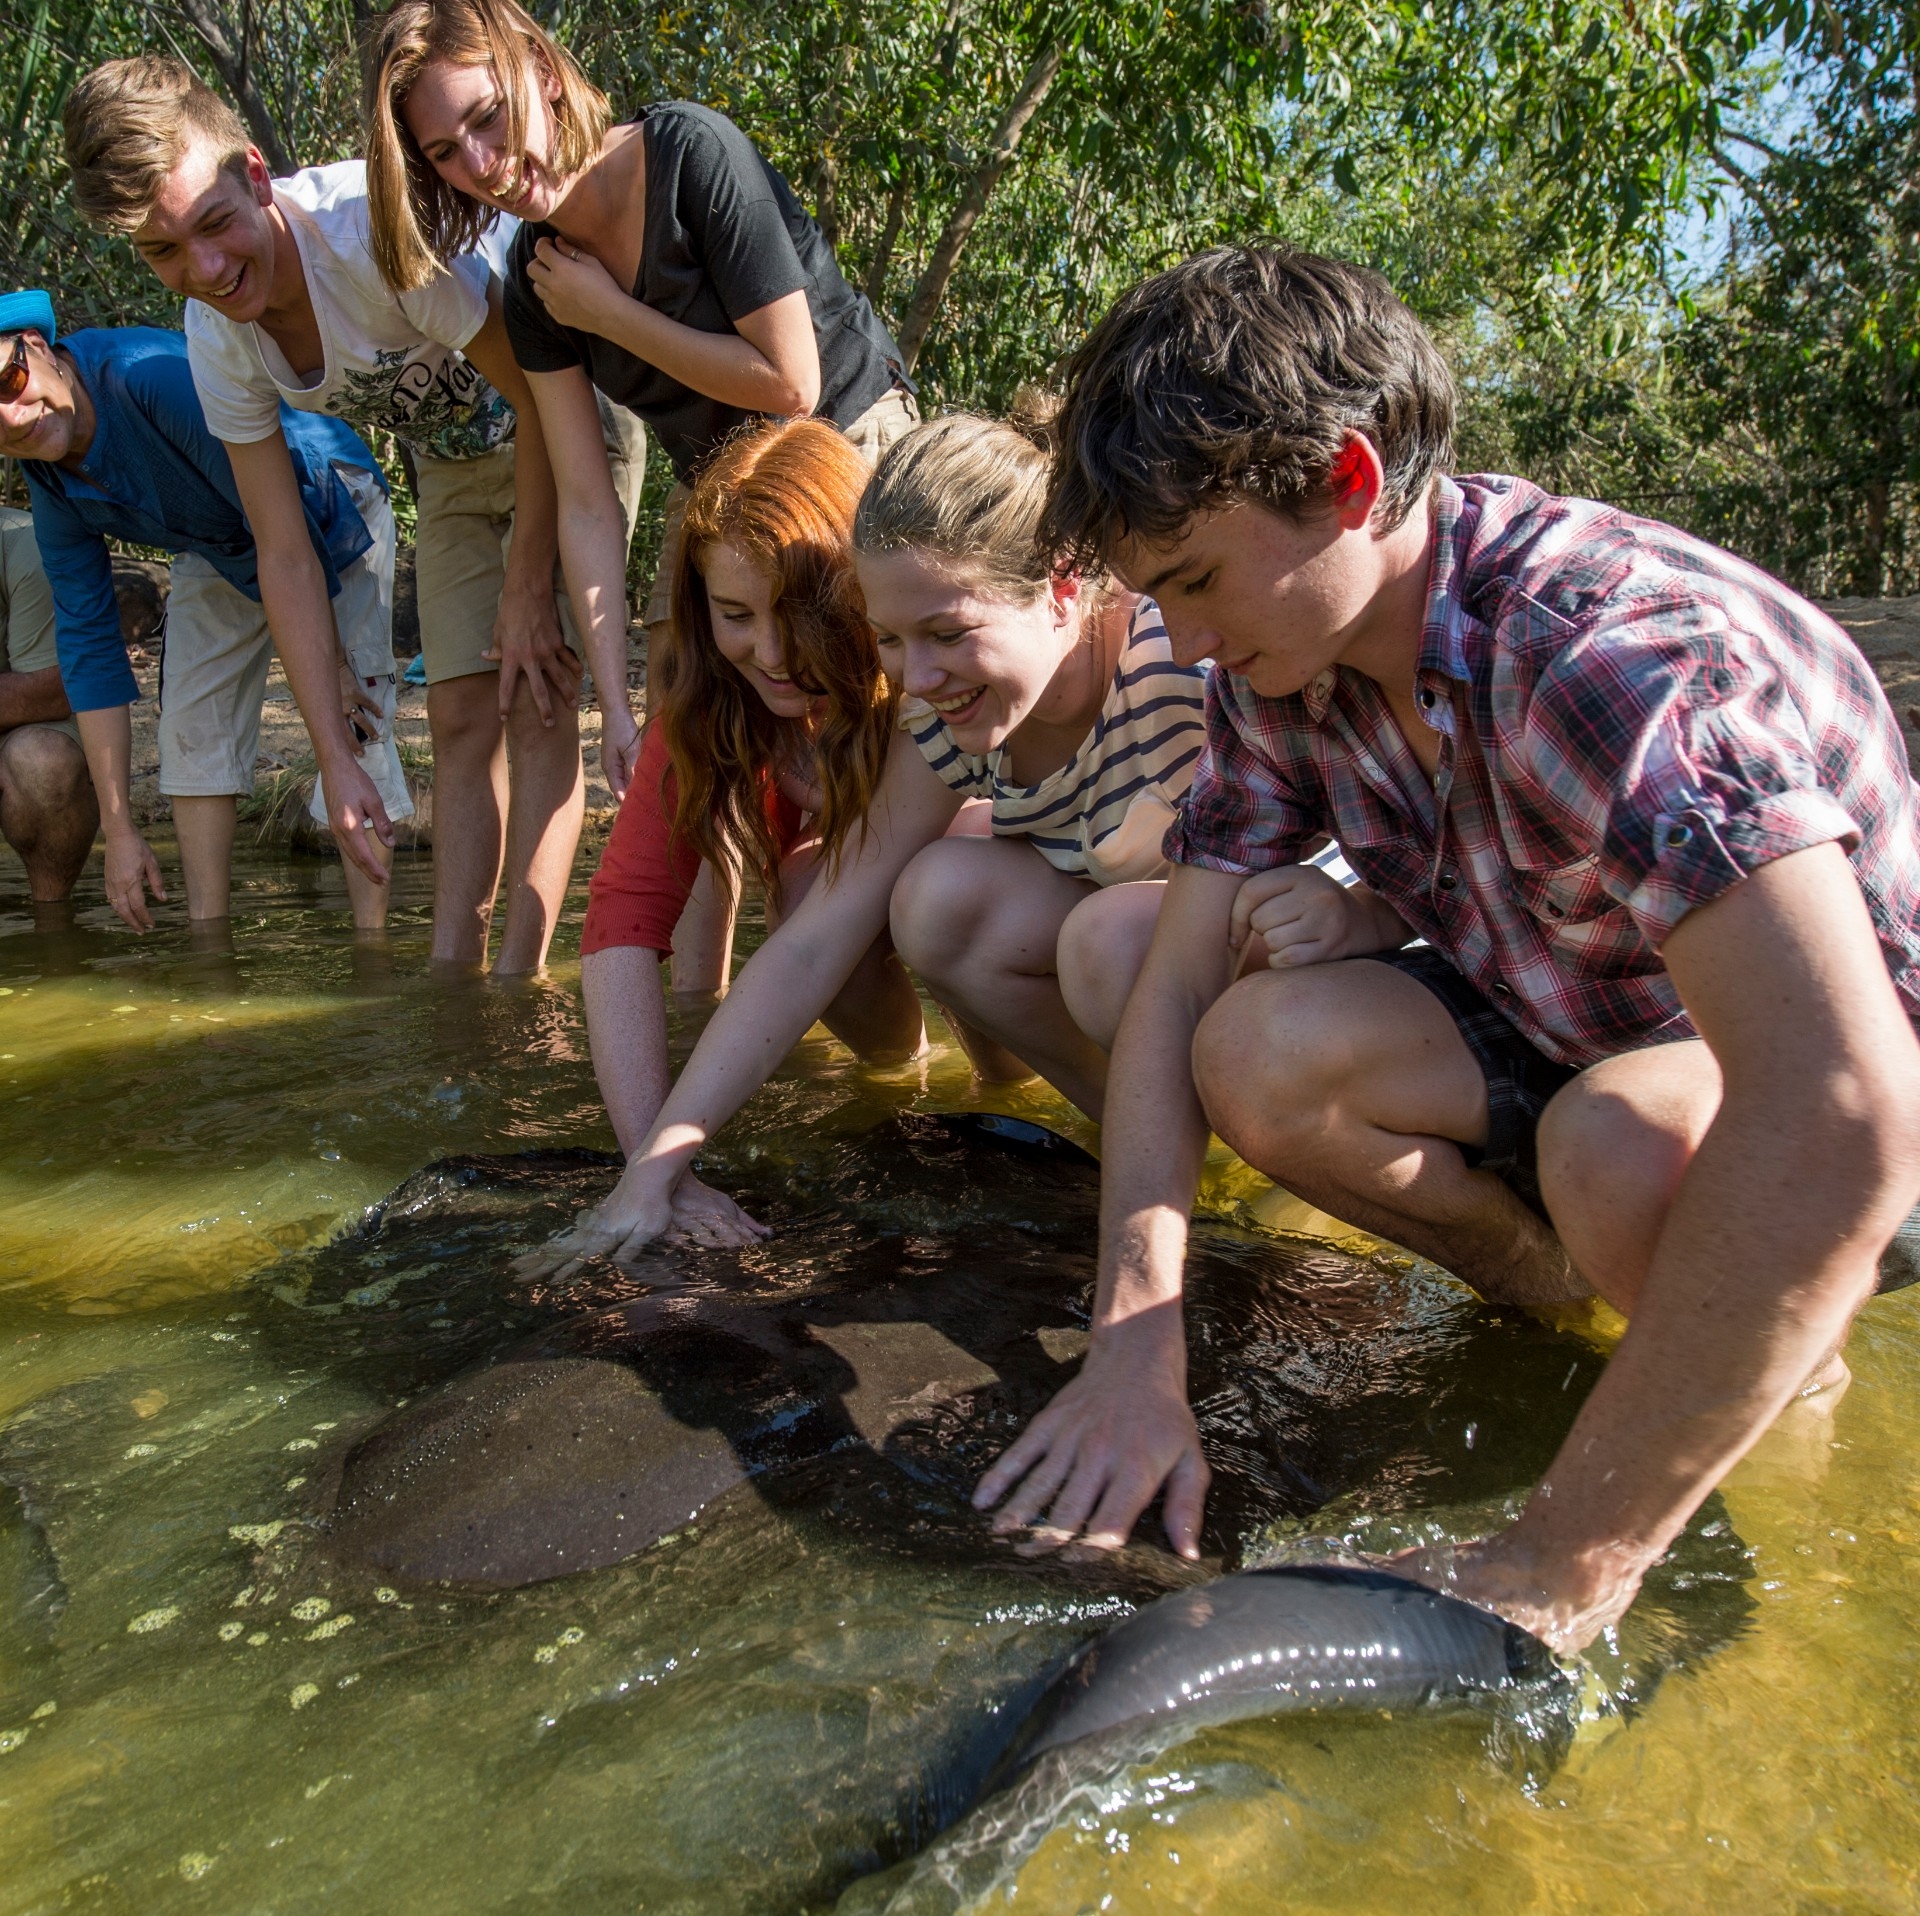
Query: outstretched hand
1566, 1605
133, 871
636, 1213
1092, 1460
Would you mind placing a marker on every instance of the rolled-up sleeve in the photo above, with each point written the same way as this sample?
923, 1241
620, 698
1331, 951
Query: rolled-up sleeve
1240, 814
1681, 753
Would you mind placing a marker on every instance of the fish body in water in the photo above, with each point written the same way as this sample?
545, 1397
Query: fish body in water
1271, 1641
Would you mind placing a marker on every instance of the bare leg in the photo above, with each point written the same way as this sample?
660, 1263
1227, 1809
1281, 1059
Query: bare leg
469, 804
546, 804
876, 1014
1102, 946
979, 919
369, 900
48, 812
205, 828
1614, 1146
1349, 1084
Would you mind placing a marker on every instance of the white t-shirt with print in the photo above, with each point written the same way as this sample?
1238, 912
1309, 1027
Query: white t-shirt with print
392, 364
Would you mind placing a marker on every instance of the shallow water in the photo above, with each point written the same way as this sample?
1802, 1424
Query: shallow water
719, 1724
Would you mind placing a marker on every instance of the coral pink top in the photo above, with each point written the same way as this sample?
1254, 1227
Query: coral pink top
645, 877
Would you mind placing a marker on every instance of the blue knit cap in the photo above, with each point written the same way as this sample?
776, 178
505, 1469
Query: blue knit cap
30, 311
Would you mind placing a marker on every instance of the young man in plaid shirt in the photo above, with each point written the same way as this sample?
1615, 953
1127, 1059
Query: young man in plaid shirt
1653, 818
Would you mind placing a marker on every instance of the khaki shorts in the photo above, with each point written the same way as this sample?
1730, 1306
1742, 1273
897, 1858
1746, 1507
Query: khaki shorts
26, 608
892, 416
214, 660
463, 535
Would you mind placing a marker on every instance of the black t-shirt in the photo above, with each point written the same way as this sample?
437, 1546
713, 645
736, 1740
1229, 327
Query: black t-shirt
725, 236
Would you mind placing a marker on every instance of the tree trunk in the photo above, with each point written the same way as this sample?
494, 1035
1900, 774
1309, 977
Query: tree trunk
932, 287
215, 33
889, 236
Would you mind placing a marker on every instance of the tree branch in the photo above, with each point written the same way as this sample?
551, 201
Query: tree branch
215, 33
889, 236
932, 286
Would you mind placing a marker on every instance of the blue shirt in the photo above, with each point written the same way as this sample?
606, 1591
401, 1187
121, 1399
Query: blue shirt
156, 476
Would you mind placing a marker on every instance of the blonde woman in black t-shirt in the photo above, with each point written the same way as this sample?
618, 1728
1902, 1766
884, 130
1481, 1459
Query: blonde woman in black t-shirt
662, 260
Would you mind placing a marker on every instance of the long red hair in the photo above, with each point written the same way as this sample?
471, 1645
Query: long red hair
784, 495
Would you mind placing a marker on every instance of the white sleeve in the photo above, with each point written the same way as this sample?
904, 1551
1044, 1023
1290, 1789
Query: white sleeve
237, 393
452, 306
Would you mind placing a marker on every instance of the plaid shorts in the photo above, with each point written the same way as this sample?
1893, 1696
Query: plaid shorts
1521, 1079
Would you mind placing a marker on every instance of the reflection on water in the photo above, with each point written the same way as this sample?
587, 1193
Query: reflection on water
194, 1714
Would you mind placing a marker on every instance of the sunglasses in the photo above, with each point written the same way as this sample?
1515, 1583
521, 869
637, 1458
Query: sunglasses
16, 372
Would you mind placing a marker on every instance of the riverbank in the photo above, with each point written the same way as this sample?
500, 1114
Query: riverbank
1886, 630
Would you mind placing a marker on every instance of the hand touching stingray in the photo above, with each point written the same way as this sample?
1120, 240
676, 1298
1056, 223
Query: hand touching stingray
634, 1215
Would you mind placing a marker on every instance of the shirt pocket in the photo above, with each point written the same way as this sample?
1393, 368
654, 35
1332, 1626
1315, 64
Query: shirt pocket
1562, 895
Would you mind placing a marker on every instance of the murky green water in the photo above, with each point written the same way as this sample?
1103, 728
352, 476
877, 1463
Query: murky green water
711, 1727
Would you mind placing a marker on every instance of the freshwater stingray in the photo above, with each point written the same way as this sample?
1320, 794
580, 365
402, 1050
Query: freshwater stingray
839, 1386
905, 1330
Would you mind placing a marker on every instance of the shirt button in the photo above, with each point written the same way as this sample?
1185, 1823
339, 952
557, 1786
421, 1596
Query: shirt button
1449, 879
1678, 836
1554, 911
1322, 685
1426, 698
1503, 992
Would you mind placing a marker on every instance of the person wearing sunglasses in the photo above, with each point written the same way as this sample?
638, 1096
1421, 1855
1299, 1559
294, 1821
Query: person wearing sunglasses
109, 430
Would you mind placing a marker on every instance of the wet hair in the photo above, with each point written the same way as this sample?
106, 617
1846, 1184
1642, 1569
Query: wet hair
1240, 375
784, 494
417, 221
127, 123
970, 493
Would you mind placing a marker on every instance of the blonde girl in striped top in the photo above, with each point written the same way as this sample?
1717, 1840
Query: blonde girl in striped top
1050, 693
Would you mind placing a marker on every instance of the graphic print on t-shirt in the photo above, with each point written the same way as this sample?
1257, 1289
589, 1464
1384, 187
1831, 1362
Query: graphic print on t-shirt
441, 406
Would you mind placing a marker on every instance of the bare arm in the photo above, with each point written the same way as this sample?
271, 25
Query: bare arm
106, 736
781, 990
627, 1031
527, 638
1095, 1456
770, 363
593, 552
1768, 1251
32, 698
293, 589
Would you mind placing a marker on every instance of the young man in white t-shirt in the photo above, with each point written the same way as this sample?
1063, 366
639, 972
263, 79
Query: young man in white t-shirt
286, 305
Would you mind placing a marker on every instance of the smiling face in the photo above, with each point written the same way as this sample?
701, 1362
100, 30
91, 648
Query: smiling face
985, 662
209, 235
458, 116
747, 631
39, 424
1272, 599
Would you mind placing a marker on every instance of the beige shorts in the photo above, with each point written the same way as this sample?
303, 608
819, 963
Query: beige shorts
892, 416
463, 535
213, 668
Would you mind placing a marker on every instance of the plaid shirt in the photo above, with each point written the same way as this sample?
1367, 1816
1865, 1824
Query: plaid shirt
1631, 722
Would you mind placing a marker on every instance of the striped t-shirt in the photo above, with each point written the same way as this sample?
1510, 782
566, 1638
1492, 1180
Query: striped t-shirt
1103, 814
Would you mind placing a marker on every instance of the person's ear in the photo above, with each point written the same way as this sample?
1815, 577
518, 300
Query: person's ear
1355, 481
1066, 589
259, 177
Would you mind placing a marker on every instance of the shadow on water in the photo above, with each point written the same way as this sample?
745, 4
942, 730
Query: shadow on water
797, 1418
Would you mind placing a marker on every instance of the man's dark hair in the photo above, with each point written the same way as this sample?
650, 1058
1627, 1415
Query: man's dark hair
1238, 375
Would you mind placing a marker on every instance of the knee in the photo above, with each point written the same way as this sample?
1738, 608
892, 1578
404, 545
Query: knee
937, 908
1267, 1069
44, 772
1101, 947
1597, 1139
464, 716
